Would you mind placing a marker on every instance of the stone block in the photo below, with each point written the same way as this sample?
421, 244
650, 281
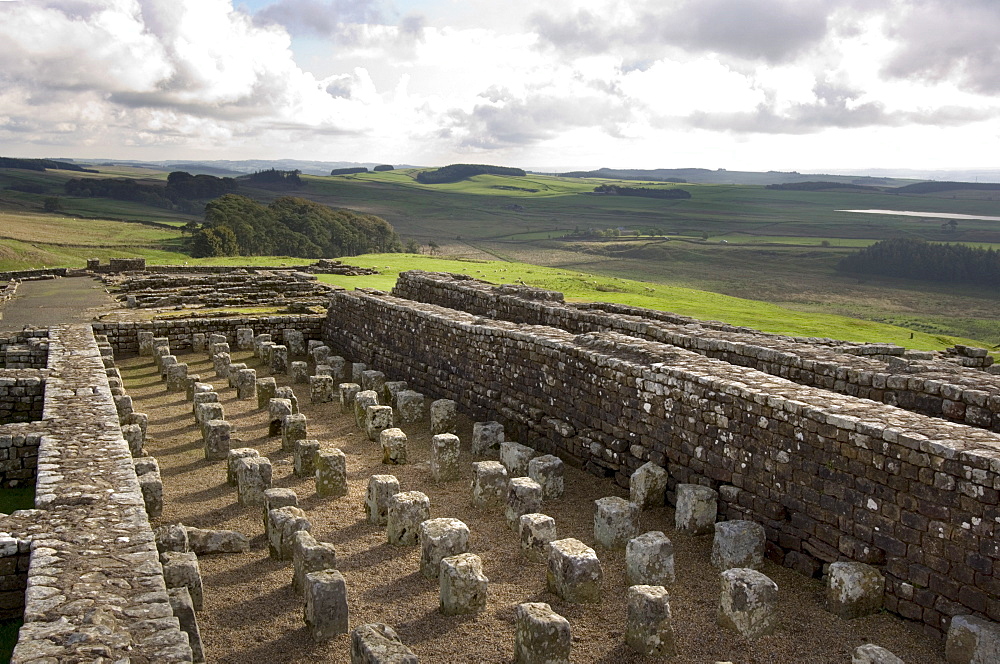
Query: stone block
649, 560
380, 489
854, 589
203, 393
348, 392
246, 384
320, 355
392, 388
308, 555
538, 531
357, 369
463, 586
235, 455
326, 613
286, 392
331, 473
393, 442
141, 420
304, 457
171, 537
444, 416
182, 606
377, 419
204, 541
199, 342
648, 486
180, 569
134, 438
145, 343
253, 478
515, 458
738, 544
972, 640
445, 450
322, 389
362, 400
748, 603
486, 438
524, 496
177, 377
697, 507
244, 338
221, 362
207, 412
574, 572
440, 538
166, 361
548, 471
277, 411
294, 340
489, 484
274, 498
649, 629
218, 434
873, 654
283, 523
541, 636
233, 375
266, 388
616, 521
123, 404
278, 363
299, 372
338, 369
406, 511
150, 485
293, 428
377, 643
374, 381
192, 384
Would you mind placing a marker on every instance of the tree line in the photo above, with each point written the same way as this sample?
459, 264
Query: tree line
927, 261
181, 191
42, 164
458, 172
644, 192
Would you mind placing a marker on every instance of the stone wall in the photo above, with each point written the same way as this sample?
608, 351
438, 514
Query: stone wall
27, 349
830, 476
18, 456
927, 383
127, 264
14, 561
123, 337
21, 396
23, 275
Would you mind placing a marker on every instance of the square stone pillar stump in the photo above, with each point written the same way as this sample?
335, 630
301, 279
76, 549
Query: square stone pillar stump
202, 396
697, 507
362, 400
278, 362
199, 342
166, 361
392, 388
738, 543
524, 496
123, 405
357, 368
304, 457
253, 478
338, 368
326, 604
277, 411
182, 606
221, 362
294, 340
486, 438
244, 338
574, 572
377, 643
299, 372
234, 456
547, 470
246, 384
180, 569
538, 531
393, 442
275, 498
308, 555
541, 636
191, 384
380, 489
374, 381
265, 391
463, 587
283, 523
616, 521
648, 486
234, 370
322, 389
208, 412
445, 449
649, 560
407, 510
748, 603
286, 392
649, 629
331, 473
972, 640
293, 428
133, 436
348, 392
377, 419
410, 405
177, 377
320, 355
515, 458
440, 538
145, 343
854, 590
218, 434
489, 484
444, 416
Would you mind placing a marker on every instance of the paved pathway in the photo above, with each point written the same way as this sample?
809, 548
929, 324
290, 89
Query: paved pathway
54, 302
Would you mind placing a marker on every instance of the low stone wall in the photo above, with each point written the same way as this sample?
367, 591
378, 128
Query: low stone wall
831, 477
27, 349
21, 396
238, 288
18, 456
921, 382
34, 274
14, 561
124, 339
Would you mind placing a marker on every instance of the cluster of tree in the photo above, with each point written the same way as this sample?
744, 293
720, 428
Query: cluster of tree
42, 164
935, 187
239, 226
272, 176
820, 186
917, 259
383, 167
458, 172
182, 190
349, 171
644, 192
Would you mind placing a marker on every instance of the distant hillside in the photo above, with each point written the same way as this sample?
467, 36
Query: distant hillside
824, 186
706, 176
41, 165
937, 187
459, 172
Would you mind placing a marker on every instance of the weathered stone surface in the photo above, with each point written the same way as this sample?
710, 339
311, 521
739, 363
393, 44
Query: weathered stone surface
253, 477
218, 434
266, 388
489, 484
299, 372
331, 473
406, 511
537, 532
182, 607
444, 416
348, 392
697, 507
304, 459
377, 419
873, 654
283, 523
380, 489
377, 643
293, 428
203, 393
362, 400
393, 443
463, 586
357, 369
322, 389
410, 405
748, 603
286, 392
541, 636
854, 589
574, 572
204, 541
392, 388
181, 569
440, 538
648, 486
486, 438
294, 341
616, 521
972, 640
231, 459
277, 411
244, 338
133, 437
374, 381
738, 544
326, 612
649, 628
445, 450
234, 370
649, 560
515, 458
524, 496
177, 377
246, 384
320, 355
274, 498
278, 361
171, 537
548, 471
308, 555
150, 485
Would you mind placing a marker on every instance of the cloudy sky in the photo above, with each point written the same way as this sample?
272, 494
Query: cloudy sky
738, 84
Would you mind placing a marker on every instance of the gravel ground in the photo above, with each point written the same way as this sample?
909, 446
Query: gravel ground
252, 615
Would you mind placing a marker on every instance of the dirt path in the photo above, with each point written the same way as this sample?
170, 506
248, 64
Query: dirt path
54, 302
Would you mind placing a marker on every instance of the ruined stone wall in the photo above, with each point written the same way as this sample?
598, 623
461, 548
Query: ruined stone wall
916, 381
831, 477
34, 274
27, 349
21, 396
123, 337
18, 456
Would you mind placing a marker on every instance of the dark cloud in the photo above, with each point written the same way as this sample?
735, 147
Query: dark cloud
320, 18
